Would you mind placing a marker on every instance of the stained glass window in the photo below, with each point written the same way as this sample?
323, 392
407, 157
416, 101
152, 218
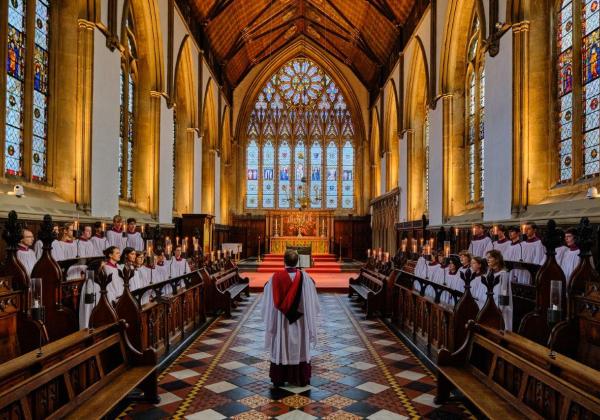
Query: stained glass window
316, 169
475, 115
252, 174
26, 128
565, 89
591, 86
285, 160
299, 173
348, 175
578, 146
268, 170
15, 88
302, 114
332, 179
127, 120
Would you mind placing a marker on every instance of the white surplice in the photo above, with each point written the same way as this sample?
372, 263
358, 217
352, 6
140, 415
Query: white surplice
516, 252
568, 259
502, 246
114, 238
100, 244
478, 247
85, 309
28, 258
135, 241
146, 277
86, 248
69, 250
115, 287
290, 344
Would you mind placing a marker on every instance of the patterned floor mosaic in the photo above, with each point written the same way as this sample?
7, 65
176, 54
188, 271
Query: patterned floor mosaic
360, 370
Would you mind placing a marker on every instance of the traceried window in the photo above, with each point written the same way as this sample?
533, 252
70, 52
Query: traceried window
26, 113
579, 93
127, 108
475, 115
301, 118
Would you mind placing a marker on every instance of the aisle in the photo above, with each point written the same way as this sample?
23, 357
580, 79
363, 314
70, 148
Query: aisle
361, 370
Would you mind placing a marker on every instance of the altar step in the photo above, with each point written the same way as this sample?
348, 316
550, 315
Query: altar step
323, 263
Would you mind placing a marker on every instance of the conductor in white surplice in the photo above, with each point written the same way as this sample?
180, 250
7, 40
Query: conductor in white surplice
290, 309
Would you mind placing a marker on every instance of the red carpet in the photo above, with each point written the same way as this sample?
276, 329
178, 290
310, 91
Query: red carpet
326, 282
323, 263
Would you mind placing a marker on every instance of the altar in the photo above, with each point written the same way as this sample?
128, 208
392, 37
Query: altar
318, 244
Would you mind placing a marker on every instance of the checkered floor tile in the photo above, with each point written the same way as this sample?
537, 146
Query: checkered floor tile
360, 371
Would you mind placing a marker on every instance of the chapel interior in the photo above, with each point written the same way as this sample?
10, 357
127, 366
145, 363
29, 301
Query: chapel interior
434, 164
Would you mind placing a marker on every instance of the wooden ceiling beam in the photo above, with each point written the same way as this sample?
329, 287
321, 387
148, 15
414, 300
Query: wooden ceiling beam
333, 21
384, 10
217, 8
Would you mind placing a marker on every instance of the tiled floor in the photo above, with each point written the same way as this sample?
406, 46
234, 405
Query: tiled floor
360, 370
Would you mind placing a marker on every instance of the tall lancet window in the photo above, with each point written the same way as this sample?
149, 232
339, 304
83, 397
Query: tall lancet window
302, 127
128, 108
578, 35
475, 115
26, 104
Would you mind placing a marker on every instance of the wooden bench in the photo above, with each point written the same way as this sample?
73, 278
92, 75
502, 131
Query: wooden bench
428, 323
507, 376
370, 288
229, 287
84, 375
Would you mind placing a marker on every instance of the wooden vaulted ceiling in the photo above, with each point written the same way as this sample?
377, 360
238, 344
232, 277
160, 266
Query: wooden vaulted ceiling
361, 33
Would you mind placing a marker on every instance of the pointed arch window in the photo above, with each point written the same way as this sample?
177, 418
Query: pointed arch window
475, 114
26, 80
303, 115
127, 111
578, 35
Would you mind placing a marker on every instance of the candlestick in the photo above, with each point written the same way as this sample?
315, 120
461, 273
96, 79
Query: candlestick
103, 224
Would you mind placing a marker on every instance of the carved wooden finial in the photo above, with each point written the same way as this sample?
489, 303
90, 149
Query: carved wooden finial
553, 237
47, 234
585, 237
13, 231
127, 274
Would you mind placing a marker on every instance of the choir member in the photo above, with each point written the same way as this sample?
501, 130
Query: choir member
568, 256
134, 238
502, 243
465, 260
478, 289
128, 259
435, 272
452, 279
421, 267
55, 252
25, 254
515, 253
178, 265
480, 243
148, 275
98, 240
68, 247
162, 268
290, 312
85, 246
533, 249
114, 237
503, 287
115, 287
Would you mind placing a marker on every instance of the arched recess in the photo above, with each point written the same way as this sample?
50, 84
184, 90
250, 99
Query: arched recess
452, 85
305, 48
391, 137
375, 155
209, 149
416, 115
149, 85
227, 179
185, 122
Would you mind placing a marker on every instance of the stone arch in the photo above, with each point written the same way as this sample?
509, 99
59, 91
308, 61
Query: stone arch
391, 137
452, 86
415, 115
227, 178
209, 148
185, 115
375, 155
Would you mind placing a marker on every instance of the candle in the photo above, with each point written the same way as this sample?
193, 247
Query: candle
403, 245
369, 253
446, 248
431, 243
495, 230
177, 240
386, 256
103, 227
76, 225
143, 226
414, 247
219, 254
